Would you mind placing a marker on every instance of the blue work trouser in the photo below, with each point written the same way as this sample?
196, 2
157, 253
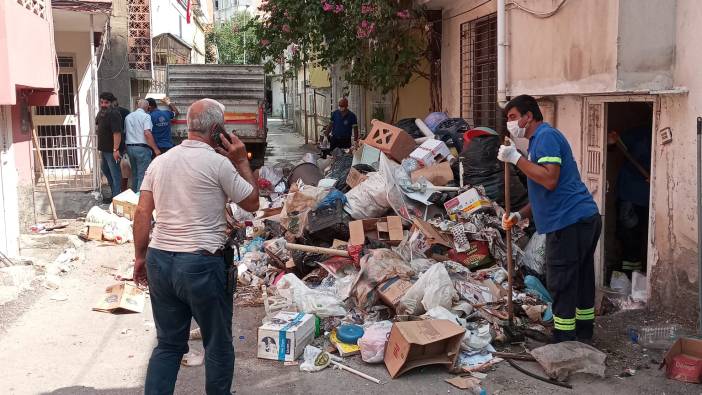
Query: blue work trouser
183, 286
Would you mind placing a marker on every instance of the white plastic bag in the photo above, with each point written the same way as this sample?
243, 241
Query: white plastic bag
535, 254
434, 288
442, 313
368, 199
620, 283
315, 359
477, 339
639, 287
310, 301
374, 340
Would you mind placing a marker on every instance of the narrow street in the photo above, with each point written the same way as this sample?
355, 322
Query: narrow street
62, 347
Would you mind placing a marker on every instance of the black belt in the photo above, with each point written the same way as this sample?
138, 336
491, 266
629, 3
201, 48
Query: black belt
139, 145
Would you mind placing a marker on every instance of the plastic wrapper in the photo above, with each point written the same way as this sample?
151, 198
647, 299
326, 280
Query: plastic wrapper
314, 359
119, 231
312, 301
256, 262
434, 288
535, 254
639, 288
376, 267
272, 174
442, 313
620, 283
374, 340
477, 338
369, 198
563, 359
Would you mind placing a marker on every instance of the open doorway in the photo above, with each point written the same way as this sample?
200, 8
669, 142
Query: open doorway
627, 169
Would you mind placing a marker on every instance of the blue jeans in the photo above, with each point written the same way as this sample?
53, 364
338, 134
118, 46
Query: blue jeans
110, 168
139, 159
182, 286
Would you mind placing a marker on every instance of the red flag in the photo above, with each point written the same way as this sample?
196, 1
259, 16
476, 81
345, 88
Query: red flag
187, 13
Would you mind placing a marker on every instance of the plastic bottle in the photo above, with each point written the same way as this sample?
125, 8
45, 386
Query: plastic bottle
656, 336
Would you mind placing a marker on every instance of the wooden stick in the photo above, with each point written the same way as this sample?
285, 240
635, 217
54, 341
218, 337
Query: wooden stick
35, 139
519, 357
356, 372
510, 264
317, 250
630, 158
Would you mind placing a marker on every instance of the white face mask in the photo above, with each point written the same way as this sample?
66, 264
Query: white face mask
515, 130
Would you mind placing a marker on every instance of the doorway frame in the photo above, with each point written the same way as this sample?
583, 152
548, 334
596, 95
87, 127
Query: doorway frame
594, 161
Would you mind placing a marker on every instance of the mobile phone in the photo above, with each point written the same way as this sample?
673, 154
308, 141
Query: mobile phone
217, 133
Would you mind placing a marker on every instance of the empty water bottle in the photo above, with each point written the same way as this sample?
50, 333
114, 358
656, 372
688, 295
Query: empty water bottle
656, 336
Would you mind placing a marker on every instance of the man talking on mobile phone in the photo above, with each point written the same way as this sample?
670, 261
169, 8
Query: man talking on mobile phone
184, 263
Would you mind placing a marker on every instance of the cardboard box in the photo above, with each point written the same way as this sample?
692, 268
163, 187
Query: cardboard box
468, 202
355, 177
419, 343
94, 232
125, 204
285, 337
387, 229
431, 152
122, 297
683, 362
393, 141
439, 174
391, 291
430, 234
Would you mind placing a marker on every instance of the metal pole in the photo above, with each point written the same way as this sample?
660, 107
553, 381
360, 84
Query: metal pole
699, 217
92, 104
304, 90
510, 263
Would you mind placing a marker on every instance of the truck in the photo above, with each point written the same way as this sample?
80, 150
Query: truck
241, 88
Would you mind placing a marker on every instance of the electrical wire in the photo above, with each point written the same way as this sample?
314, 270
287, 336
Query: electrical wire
536, 13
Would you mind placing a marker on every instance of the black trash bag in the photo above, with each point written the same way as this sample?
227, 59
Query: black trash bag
451, 131
481, 167
340, 169
408, 125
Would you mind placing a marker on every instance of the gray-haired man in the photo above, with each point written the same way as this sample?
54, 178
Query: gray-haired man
185, 261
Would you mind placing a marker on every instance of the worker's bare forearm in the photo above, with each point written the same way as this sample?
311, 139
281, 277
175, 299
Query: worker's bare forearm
544, 175
142, 227
244, 169
525, 212
151, 142
116, 140
174, 109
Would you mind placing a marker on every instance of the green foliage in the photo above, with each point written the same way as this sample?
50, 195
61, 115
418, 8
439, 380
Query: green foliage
235, 41
380, 44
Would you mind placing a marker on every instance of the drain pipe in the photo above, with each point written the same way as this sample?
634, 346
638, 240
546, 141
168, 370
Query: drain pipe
699, 217
501, 61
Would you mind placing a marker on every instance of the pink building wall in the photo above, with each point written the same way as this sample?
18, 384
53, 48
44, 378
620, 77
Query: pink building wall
27, 57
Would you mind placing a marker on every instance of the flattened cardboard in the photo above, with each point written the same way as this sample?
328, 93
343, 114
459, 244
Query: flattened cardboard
388, 229
419, 343
391, 291
440, 174
431, 234
683, 361
120, 298
285, 337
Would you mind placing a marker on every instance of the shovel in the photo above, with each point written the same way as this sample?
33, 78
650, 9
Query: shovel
510, 262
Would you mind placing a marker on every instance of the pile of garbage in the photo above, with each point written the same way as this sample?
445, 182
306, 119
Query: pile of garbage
395, 241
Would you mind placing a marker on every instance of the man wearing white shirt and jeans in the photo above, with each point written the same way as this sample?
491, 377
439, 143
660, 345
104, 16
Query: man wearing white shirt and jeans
141, 146
185, 263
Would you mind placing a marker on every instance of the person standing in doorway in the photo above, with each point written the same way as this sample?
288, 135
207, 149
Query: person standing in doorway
187, 264
141, 146
161, 119
563, 210
342, 126
633, 189
109, 135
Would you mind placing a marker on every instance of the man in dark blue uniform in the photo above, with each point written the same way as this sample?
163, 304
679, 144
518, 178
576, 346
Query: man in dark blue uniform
343, 125
563, 210
161, 119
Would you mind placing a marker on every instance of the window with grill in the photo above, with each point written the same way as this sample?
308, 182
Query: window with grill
479, 73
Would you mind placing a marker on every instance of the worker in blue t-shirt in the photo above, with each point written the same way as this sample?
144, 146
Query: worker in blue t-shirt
563, 210
161, 119
342, 126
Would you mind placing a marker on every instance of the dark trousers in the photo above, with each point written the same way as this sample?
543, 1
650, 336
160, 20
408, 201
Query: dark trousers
632, 230
570, 277
334, 142
183, 286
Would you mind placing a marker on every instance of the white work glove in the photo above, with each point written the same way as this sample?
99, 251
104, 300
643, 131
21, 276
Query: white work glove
509, 222
509, 153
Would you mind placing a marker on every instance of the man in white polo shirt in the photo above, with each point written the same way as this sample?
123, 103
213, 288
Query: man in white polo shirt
141, 146
184, 264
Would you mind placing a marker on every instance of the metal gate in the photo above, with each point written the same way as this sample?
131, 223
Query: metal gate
69, 153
